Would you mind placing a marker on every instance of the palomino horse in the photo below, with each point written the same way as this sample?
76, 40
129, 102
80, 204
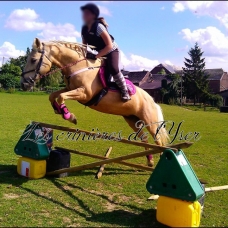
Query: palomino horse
83, 83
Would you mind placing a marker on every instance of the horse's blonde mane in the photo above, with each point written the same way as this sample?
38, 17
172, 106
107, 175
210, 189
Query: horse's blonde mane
71, 45
78, 47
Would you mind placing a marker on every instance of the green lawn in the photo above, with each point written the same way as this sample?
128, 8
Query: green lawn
119, 198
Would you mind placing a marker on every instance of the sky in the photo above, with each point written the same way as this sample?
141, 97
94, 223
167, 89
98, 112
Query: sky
147, 33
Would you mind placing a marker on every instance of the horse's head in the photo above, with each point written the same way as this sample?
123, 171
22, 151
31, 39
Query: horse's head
38, 63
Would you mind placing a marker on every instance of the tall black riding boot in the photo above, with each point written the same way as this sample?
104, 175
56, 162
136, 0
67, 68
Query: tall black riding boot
121, 83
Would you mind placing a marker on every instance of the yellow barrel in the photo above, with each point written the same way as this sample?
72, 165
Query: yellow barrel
178, 213
31, 168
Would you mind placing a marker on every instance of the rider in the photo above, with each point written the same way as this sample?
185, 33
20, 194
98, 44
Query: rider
94, 32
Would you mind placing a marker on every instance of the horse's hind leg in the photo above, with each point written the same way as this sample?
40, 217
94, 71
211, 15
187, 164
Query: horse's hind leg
131, 120
151, 124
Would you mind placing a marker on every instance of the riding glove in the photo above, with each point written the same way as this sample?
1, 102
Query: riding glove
91, 54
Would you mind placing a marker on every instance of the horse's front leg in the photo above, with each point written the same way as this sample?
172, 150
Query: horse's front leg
76, 94
52, 98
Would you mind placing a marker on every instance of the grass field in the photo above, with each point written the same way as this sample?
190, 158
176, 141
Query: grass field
119, 198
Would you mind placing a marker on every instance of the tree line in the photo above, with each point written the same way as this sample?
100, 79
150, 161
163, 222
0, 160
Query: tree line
10, 74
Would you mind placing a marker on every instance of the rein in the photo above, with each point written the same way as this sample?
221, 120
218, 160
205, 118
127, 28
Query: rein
61, 68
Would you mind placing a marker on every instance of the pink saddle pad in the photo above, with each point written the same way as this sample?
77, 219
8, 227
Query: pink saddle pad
130, 85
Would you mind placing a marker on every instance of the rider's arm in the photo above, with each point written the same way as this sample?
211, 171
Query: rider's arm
108, 42
83, 41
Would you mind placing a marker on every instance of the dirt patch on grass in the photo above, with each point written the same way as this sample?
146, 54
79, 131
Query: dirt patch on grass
123, 198
11, 196
110, 206
67, 187
66, 220
45, 213
139, 201
44, 194
186, 109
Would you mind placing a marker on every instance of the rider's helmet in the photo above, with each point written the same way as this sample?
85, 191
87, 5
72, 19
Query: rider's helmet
92, 8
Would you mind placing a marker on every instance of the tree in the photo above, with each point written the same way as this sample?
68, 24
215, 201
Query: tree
9, 81
172, 90
11, 69
10, 76
195, 79
52, 80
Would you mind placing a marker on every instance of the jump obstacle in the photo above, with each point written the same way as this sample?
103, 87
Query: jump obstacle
40, 151
173, 181
154, 149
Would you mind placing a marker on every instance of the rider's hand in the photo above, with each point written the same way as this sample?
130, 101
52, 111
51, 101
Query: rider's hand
90, 56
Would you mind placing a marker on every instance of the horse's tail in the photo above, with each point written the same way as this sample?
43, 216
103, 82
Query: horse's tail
162, 133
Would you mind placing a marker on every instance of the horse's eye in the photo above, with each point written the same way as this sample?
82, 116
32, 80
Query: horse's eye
33, 60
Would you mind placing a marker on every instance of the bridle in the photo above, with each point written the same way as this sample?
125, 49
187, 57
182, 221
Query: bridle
31, 81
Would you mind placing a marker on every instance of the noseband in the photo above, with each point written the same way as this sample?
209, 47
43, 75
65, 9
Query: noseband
31, 80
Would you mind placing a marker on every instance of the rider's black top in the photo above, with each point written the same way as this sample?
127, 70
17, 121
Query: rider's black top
91, 37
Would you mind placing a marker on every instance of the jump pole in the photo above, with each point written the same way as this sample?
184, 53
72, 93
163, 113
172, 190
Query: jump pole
106, 161
105, 158
101, 169
156, 150
142, 167
209, 189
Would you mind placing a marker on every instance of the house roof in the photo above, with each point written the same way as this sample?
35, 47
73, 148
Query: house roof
137, 76
125, 72
170, 68
153, 81
215, 74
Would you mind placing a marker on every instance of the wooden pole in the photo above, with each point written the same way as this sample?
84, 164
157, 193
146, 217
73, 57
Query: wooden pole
143, 167
209, 189
135, 143
216, 188
101, 169
107, 161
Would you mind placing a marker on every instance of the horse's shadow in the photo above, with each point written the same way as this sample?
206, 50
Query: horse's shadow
125, 218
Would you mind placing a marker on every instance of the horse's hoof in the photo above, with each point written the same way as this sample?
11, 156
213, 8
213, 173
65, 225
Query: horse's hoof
150, 163
73, 119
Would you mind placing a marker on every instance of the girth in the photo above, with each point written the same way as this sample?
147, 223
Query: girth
96, 99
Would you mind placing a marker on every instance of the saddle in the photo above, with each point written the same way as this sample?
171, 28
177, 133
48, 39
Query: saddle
109, 84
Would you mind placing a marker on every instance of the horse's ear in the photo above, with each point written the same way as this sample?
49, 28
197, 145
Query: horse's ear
36, 43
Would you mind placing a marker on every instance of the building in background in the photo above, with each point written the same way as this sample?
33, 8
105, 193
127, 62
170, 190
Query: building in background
137, 76
152, 81
218, 80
